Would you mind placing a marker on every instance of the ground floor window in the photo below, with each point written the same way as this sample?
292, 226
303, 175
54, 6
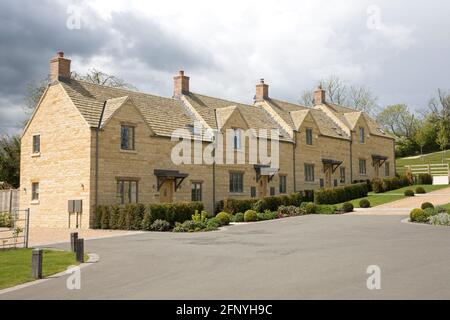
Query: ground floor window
342, 175
35, 191
196, 191
236, 182
309, 172
127, 191
386, 169
362, 166
272, 191
282, 184
253, 192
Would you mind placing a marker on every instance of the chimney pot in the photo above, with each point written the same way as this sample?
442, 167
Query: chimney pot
262, 91
59, 67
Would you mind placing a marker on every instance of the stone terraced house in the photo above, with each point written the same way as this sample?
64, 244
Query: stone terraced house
88, 144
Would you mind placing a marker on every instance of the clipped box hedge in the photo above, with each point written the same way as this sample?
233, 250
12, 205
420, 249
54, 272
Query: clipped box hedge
141, 217
341, 194
388, 184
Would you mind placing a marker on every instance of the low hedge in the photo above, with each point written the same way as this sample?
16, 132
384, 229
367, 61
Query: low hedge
233, 206
139, 216
341, 194
424, 178
387, 184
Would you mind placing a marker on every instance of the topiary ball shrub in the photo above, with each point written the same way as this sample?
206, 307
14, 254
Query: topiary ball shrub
250, 216
420, 190
239, 217
364, 203
310, 208
419, 215
426, 205
223, 218
160, 225
409, 193
347, 207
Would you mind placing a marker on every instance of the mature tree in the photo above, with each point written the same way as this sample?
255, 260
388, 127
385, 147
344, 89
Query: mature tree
398, 120
10, 160
36, 89
425, 135
338, 92
442, 137
440, 106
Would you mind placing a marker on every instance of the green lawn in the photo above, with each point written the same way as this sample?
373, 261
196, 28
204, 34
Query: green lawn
377, 199
430, 158
15, 265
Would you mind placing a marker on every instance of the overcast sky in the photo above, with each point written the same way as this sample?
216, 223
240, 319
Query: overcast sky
400, 49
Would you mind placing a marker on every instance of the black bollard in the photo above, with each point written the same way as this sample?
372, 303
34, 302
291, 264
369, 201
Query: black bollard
36, 264
79, 250
73, 239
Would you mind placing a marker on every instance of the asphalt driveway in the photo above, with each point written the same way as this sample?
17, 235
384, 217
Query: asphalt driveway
307, 257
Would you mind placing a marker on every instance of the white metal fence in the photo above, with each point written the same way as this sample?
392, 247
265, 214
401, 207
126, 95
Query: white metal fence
9, 200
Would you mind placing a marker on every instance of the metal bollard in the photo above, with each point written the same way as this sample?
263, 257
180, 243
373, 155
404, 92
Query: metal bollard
73, 239
36, 264
79, 250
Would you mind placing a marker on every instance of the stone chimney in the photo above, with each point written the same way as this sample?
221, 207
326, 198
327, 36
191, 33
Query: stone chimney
59, 68
180, 84
262, 91
319, 95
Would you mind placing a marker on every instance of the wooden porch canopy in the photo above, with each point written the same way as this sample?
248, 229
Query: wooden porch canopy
164, 175
330, 162
265, 170
377, 159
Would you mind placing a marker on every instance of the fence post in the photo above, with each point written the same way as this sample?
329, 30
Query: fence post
79, 244
10, 201
27, 226
36, 264
73, 240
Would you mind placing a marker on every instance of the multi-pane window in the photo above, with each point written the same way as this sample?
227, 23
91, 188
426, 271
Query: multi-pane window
309, 136
36, 143
309, 172
362, 137
362, 166
35, 191
196, 191
253, 192
237, 136
127, 137
386, 169
342, 175
236, 182
272, 191
127, 191
282, 184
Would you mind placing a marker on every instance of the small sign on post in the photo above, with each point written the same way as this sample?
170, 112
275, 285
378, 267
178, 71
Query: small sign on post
36, 264
79, 250
73, 239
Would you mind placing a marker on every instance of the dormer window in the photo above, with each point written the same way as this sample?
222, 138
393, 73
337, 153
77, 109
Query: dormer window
127, 137
237, 136
36, 144
362, 137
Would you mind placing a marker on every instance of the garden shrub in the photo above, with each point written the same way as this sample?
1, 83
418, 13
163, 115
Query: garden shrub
98, 217
223, 218
239, 217
160, 225
441, 219
250, 216
212, 224
310, 208
420, 190
426, 205
325, 209
341, 194
378, 186
364, 203
200, 216
440, 209
5, 220
347, 207
418, 215
233, 206
104, 223
114, 212
288, 211
387, 184
409, 193
424, 178
189, 226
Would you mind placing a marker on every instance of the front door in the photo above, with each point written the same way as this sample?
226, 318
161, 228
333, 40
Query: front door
166, 191
263, 186
328, 173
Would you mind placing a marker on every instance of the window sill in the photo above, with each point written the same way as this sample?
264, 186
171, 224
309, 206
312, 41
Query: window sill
34, 202
128, 151
237, 194
36, 155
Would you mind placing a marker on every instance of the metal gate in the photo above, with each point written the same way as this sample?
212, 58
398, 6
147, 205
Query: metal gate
14, 229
